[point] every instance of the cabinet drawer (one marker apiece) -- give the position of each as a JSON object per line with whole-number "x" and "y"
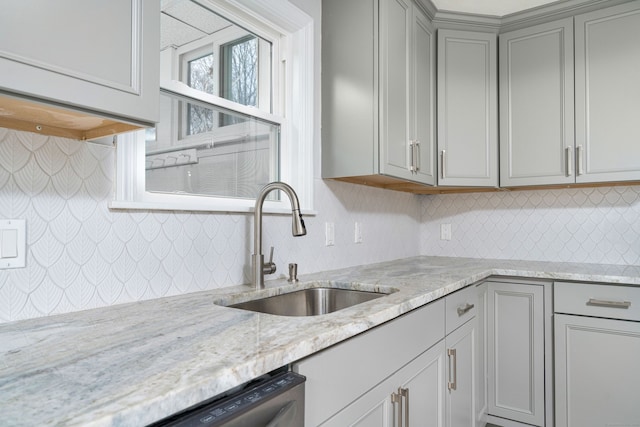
{"x": 460, "y": 307}
{"x": 612, "y": 301}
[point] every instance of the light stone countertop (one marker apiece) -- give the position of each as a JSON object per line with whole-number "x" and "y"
{"x": 132, "y": 364}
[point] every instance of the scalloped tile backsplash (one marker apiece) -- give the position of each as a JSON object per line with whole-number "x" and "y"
{"x": 589, "y": 225}
{"x": 83, "y": 255}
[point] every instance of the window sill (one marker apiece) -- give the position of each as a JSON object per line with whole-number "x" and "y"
{"x": 198, "y": 207}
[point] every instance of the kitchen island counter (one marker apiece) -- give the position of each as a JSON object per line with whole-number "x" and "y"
{"x": 132, "y": 364}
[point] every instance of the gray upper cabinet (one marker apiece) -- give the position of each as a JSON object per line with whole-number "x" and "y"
{"x": 90, "y": 55}
{"x": 377, "y": 92}
{"x": 536, "y": 105}
{"x": 422, "y": 125}
{"x": 608, "y": 94}
{"x": 467, "y": 109}
{"x": 537, "y": 100}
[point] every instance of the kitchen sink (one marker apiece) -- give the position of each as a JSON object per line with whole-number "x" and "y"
{"x": 309, "y": 302}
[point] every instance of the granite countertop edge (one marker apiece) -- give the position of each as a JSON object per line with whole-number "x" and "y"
{"x": 132, "y": 364}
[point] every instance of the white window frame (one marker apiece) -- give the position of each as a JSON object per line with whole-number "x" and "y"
{"x": 295, "y": 85}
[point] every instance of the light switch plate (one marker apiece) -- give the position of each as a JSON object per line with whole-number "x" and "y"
{"x": 13, "y": 243}
{"x": 330, "y": 233}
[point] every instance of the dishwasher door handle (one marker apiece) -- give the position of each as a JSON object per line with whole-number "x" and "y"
{"x": 285, "y": 416}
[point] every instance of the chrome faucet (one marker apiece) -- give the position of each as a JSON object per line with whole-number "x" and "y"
{"x": 258, "y": 266}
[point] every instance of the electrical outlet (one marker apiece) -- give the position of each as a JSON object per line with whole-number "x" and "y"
{"x": 445, "y": 231}
{"x": 357, "y": 238}
{"x": 329, "y": 233}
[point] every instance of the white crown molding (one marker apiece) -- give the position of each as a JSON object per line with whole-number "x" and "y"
{"x": 536, "y": 15}
{"x": 467, "y": 21}
{"x": 554, "y": 11}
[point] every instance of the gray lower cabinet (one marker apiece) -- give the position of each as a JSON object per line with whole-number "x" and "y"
{"x": 539, "y": 107}
{"x": 95, "y": 55}
{"x": 597, "y": 348}
{"x": 378, "y": 115}
{"x": 467, "y": 109}
{"x": 519, "y": 348}
{"x": 412, "y": 396}
{"x": 403, "y": 373}
{"x": 461, "y": 348}
{"x": 352, "y": 383}
{"x": 462, "y": 369}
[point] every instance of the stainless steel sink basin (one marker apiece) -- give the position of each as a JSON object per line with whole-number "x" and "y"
{"x": 309, "y": 302}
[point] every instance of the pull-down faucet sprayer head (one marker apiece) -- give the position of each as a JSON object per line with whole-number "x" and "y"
{"x": 297, "y": 224}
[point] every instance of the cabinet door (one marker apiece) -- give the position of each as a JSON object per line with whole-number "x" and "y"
{"x": 461, "y": 376}
{"x": 395, "y": 39}
{"x": 467, "y": 109}
{"x": 424, "y": 378}
{"x": 516, "y": 351}
{"x": 373, "y": 409}
{"x": 92, "y": 54}
{"x": 536, "y": 105}
{"x": 597, "y": 378}
{"x": 349, "y": 88}
{"x": 422, "y": 95}
{"x": 608, "y": 94}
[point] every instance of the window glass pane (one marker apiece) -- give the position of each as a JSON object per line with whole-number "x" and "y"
{"x": 235, "y": 160}
{"x": 201, "y": 74}
{"x": 214, "y": 55}
{"x": 199, "y": 119}
{"x": 240, "y": 77}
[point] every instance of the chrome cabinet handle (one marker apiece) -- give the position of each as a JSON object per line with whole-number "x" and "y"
{"x": 568, "y": 159}
{"x": 609, "y": 304}
{"x": 397, "y": 398}
{"x": 442, "y": 154}
{"x": 464, "y": 309}
{"x": 417, "y": 158}
{"x": 579, "y": 154}
{"x": 404, "y": 392}
{"x": 412, "y": 166}
{"x": 451, "y": 352}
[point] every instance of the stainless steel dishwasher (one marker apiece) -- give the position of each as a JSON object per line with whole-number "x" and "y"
{"x": 275, "y": 400}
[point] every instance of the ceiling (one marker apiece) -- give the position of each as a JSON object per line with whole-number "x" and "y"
{"x": 183, "y": 21}
{"x": 489, "y": 7}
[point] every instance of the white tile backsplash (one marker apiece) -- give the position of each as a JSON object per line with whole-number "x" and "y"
{"x": 589, "y": 225}
{"x": 83, "y": 255}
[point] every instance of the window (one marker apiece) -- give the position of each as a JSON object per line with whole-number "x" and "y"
{"x": 229, "y": 123}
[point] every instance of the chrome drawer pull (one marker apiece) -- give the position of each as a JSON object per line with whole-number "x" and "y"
{"x": 464, "y": 309}
{"x": 609, "y": 304}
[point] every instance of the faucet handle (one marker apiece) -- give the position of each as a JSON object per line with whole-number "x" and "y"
{"x": 269, "y": 267}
